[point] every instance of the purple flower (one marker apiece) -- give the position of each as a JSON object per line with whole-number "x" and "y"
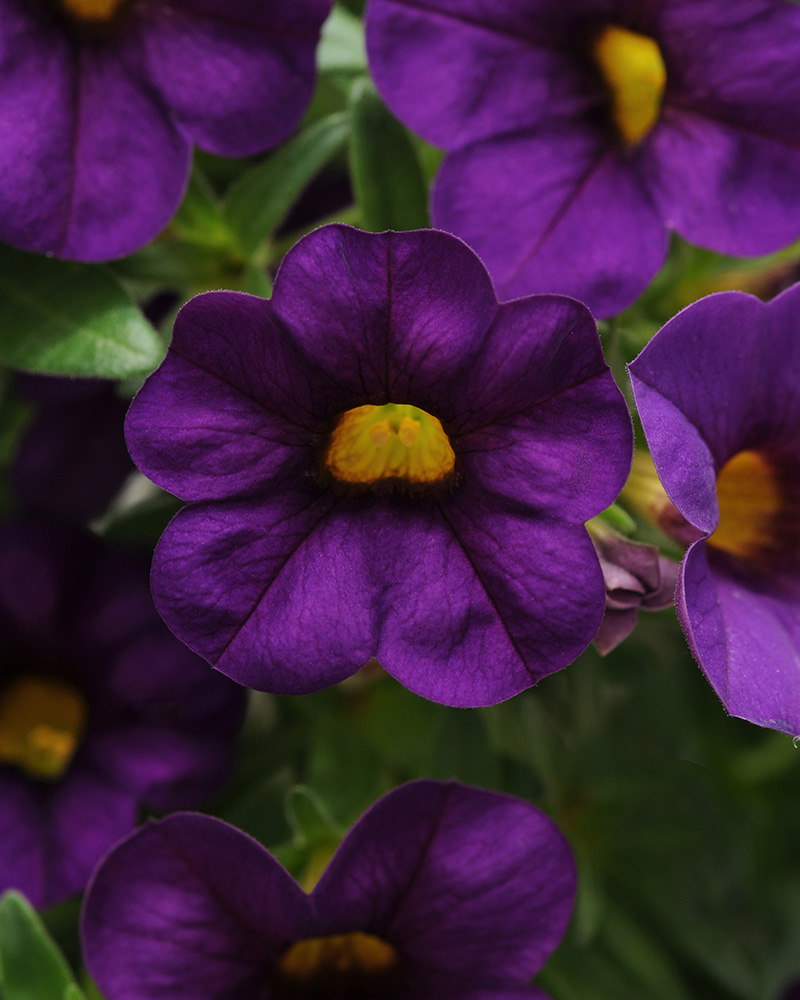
{"x": 718, "y": 391}
{"x": 439, "y": 891}
{"x": 101, "y": 709}
{"x": 636, "y": 576}
{"x": 580, "y": 132}
{"x": 103, "y": 99}
{"x": 382, "y": 461}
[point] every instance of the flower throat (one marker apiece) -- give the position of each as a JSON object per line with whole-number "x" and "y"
{"x": 395, "y": 441}
{"x": 633, "y": 70}
{"x": 92, "y": 11}
{"x": 353, "y": 966}
{"x": 41, "y": 724}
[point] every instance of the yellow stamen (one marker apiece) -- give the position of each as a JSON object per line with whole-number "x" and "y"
{"x": 337, "y": 956}
{"x": 395, "y": 441}
{"x": 750, "y": 502}
{"x": 92, "y": 10}
{"x": 41, "y": 724}
{"x": 633, "y": 69}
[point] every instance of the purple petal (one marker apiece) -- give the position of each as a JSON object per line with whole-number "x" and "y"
{"x": 524, "y": 596}
{"x": 23, "y": 865}
{"x": 746, "y": 634}
{"x": 113, "y": 165}
{"x": 561, "y": 211}
{"x": 450, "y": 608}
{"x": 396, "y": 317}
{"x": 38, "y": 82}
{"x": 422, "y": 869}
{"x": 236, "y": 75}
{"x": 81, "y": 819}
{"x": 724, "y": 185}
{"x": 232, "y": 407}
{"x": 72, "y": 459}
{"x": 272, "y": 594}
{"x": 546, "y": 427}
{"x": 460, "y": 73}
{"x": 191, "y": 908}
{"x": 616, "y": 626}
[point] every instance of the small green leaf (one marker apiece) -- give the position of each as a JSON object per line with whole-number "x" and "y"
{"x": 308, "y": 816}
{"x": 73, "y": 992}
{"x": 31, "y": 965}
{"x": 199, "y": 219}
{"x": 63, "y": 318}
{"x": 342, "y": 48}
{"x": 387, "y": 178}
{"x": 259, "y": 200}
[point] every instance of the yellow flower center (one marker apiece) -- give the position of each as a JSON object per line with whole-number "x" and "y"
{"x": 633, "y": 69}
{"x": 41, "y": 724}
{"x": 750, "y": 507}
{"x": 395, "y": 441}
{"x": 92, "y": 10}
{"x": 338, "y": 965}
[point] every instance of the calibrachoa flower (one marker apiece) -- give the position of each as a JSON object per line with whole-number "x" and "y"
{"x": 580, "y": 132}
{"x": 440, "y": 890}
{"x": 101, "y": 101}
{"x": 101, "y": 709}
{"x": 382, "y": 461}
{"x": 718, "y": 391}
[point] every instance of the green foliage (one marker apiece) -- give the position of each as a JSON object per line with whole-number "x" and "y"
{"x": 387, "y": 177}
{"x": 63, "y": 318}
{"x": 260, "y": 199}
{"x": 31, "y": 965}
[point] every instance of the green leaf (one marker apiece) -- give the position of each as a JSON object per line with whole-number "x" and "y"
{"x": 259, "y": 200}
{"x": 308, "y": 817}
{"x": 74, "y": 992}
{"x": 342, "y": 48}
{"x": 387, "y": 178}
{"x": 63, "y": 318}
{"x": 199, "y": 219}
{"x": 31, "y": 965}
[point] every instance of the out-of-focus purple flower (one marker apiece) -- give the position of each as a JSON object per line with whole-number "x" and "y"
{"x": 101, "y": 709}
{"x": 636, "y": 576}
{"x": 72, "y": 459}
{"x": 718, "y": 391}
{"x": 579, "y": 133}
{"x": 102, "y": 101}
{"x": 382, "y": 461}
{"x": 439, "y": 891}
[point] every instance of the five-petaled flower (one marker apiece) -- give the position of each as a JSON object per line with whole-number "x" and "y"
{"x": 383, "y": 462}
{"x": 439, "y": 891}
{"x": 579, "y": 133}
{"x": 102, "y": 711}
{"x": 101, "y": 101}
{"x": 718, "y": 392}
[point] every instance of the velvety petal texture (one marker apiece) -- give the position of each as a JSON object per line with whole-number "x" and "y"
{"x": 159, "y": 726}
{"x": 96, "y": 125}
{"x": 540, "y": 178}
{"x": 721, "y": 380}
{"x": 191, "y": 908}
{"x": 287, "y": 578}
